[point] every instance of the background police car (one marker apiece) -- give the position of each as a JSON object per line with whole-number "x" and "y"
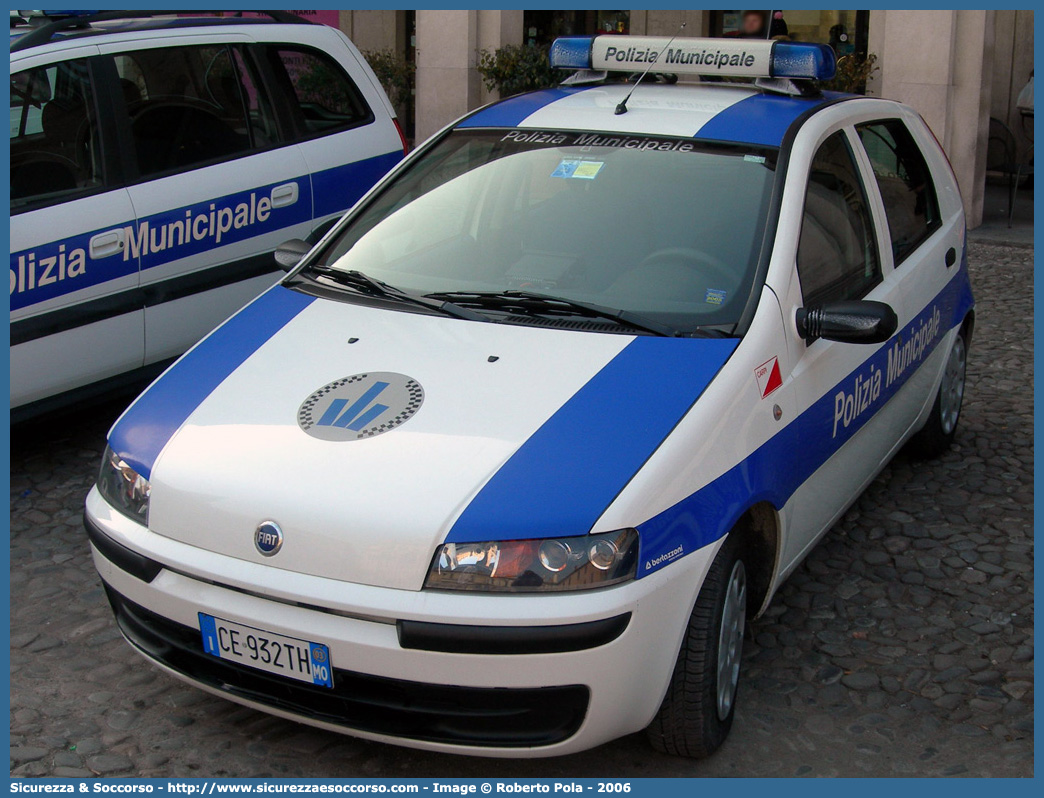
{"x": 155, "y": 164}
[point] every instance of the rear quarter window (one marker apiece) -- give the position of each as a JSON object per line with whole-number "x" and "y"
{"x": 905, "y": 182}
{"x": 319, "y": 95}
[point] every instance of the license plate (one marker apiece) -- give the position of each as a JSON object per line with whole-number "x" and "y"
{"x": 267, "y": 651}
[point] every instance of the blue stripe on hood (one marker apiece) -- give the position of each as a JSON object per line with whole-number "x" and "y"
{"x": 511, "y": 112}
{"x": 561, "y": 480}
{"x": 761, "y": 119}
{"x": 143, "y": 431}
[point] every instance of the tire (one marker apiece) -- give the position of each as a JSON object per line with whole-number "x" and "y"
{"x": 941, "y": 428}
{"x": 694, "y": 720}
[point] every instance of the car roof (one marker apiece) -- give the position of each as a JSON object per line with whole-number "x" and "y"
{"x": 66, "y": 29}
{"x": 728, "y": 112}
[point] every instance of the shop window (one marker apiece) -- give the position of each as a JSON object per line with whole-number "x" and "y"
{"x": 845, "y": 31}
{"x": 543, "y": 27}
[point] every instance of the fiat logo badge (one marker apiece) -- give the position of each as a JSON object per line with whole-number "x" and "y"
{"x": 268, "y": 538}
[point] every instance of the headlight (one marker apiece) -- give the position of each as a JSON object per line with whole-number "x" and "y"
{"x": 523, "y": 566}
{"x": 123, "y": 487}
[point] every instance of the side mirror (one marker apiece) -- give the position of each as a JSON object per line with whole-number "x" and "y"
{"x": 859, "y": 322}
{"x": 289, "y": 253}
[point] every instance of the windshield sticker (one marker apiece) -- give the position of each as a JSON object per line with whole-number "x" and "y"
{"x": 715, "y": 296}
{"x": 754, "y": 158}
{"x": 585, "y": 170}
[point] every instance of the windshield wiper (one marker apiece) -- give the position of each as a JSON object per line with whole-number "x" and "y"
{"x": 536, "y": 302}
{"x": 371, "y": 285}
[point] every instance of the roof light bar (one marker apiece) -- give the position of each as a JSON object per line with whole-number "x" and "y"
{"x": 690, "y": 56}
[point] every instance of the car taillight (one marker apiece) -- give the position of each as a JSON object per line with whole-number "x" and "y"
{"x": 402, "y": 138}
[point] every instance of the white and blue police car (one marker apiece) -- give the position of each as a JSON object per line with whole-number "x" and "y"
{"x": 508, "y": 459}
{"x": 156, "y": 162}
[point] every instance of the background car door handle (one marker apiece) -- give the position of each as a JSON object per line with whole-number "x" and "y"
{"x": 951, "y": 255}
{"x": 284, "y": 195}
{"x": 102, "y": 245}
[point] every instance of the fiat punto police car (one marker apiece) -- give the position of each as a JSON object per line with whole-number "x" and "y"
{"x": 506, "y": 462}
{"x": 156, "y": 161}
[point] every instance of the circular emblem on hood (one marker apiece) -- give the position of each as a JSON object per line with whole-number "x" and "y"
{"x": 360, "y": 406}
{"x": 268, "y": 538}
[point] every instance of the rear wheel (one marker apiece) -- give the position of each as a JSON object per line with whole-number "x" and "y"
{"x": 941, "y": 428}
{"x": 697, "y": 710}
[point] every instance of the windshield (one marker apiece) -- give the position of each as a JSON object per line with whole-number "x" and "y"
{"x": 668, "y": 228}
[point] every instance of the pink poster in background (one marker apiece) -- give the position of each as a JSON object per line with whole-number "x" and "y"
{"x": 322, "y": 17}
{"x": 326, "y": 17}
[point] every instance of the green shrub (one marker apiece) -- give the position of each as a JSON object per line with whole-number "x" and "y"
{"x": 852, "y": 74}
{"x": 395, "y": 74}
{"x": 513, "y": 69}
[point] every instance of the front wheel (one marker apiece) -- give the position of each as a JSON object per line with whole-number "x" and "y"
{"x": 697, "y": 711}
{"x": 941, "y": 428}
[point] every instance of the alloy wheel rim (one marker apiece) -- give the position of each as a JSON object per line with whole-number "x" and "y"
{"x": 951, "y": 392}
{"x": 730, "y": 638}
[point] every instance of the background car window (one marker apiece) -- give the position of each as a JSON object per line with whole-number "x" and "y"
{"x": 905, "y": 182}
{"x": 188, "y": 106}
{"x": 54, "y": 134}
{"x": 263, "y": 130}
{"x": 323, "y": 98}
{"x": 837, "y": 254}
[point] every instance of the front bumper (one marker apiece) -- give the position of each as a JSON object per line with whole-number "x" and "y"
{"x": 561, "y": 700}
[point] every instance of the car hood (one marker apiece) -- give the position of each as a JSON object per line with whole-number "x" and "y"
{"x": 480, "y": 431}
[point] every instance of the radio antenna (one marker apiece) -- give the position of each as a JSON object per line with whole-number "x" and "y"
{"x": 621, "y": 108}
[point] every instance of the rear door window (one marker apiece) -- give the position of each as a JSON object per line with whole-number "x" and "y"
{"x": 190, "y": 106}
{"x": 905, "y": 182}
{"x": 322, "y": 99}
{"x": 55, "y": 147}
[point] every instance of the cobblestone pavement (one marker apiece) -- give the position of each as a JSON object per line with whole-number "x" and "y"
{"x": 903, "y": 646}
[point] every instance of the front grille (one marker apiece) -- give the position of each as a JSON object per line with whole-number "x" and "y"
{"x": 477, "y": 716}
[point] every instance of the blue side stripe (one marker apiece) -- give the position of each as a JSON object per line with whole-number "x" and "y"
{"x": 511, "y": 112}
{"x": 782, "y": 464}
{"x": 562, "y": 479}
{"x": 145, "y": 428}
{"x": 336, "y": 190}
{"x": 760, "y": 119}
{"x": 63, "y": 266}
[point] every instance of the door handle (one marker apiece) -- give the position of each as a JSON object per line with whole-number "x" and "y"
{"x": 284, "y": 195}
{"x": 103, "y": 245}
{"x": 951, "y": 257}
